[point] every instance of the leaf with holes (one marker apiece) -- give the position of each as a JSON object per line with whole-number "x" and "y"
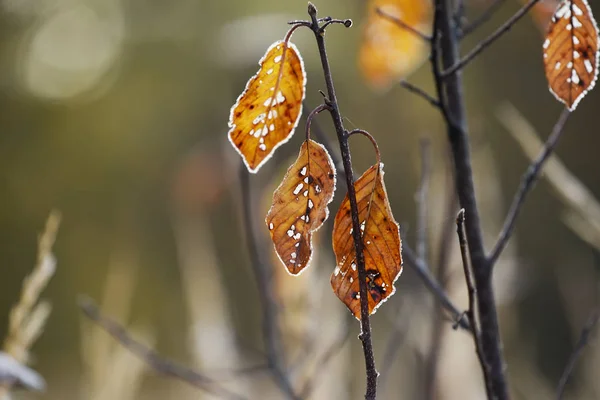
{"x": 267, "y": 112}
{"x": 381, "y": 245}
{"x": 300, "y": 205}
{"x": 389, "y": 52}
{"x": 571, "y": 52}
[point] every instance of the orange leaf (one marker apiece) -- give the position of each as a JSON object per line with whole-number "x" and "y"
{"x": 300, "y": 205}
{"x": 571, "y": 52}
{"x": 389, "y": 53}
{"x": 381, "y": 244}
{"x": 267, "y": 112}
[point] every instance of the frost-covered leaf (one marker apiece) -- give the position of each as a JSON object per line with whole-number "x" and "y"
{"x": 571, "y": 52}
{"x": 300, "y": 205}
{"x": 381, "y": 244}
{"x": 267, "y": 112}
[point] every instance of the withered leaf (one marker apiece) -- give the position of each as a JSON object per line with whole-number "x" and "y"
{"x": 571, "y": 52}
{"x": 300, "y": 205}
{"x": 389, "y": 52}
{"x": 267, "y": 112}
{"x": 381, "y": 244}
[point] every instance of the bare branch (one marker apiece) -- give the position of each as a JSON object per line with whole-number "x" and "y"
{"x": 365, "y": 323}
{"x": 581, "y": 343}
{"x": 527, "y": 181}
{"x": 485, "y": 43}
{"x": 150, "y": 357}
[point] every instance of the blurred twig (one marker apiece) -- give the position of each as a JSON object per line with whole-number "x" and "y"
{"x": 331, "y": 352}
{"x": 421, "y": 198}
{"x": 434, "y": 287}
{"x": 153, "y": 359}
{"x": 483, "y": 18}
{"x": 581, "y": 343}
{"x": 264, "y": 280}
{"x": 527, "y": 181}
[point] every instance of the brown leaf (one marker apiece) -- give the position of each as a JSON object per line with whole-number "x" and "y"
{"x": 381, "y": 244}
{"x": 571, "y": 52}
{"x": 389, "y": 53}
{"x": 267, "y": 112}
{"x": 300, "y": 205}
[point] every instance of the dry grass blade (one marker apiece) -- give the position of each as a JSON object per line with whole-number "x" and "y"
{"x": 571, "y": 52}
{"x": 381, "y": 243}
{"x": 267, "y": 112}
{"x": 583, "y": 214}
{"x": 300, "y": 205}
{"x": 28, "y": 317}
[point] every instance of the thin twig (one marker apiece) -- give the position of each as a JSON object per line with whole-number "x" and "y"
{"x": 482, "y": 19}
{"x": 403, "y": 25}
{"x": 462, "y": 241}
{"x": 581, "y": 343}
{"x": 527, "y": 182}
{"x": 485, "y": 43}
{"x": 150, "y": 357}
{"x": 332, "y": 351}
{"x": 421, "y": 93}
{"x": 264, "y": 281}
{"x": 365, "y": 335}
{"x": 443, "y": 264}
{"x": 434, "y": 287}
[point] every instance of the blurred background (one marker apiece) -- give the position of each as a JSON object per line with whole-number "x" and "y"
{"x": 115, "y": 113}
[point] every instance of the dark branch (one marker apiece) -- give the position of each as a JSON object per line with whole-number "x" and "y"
{"x": 365, "y": 335}
{"x": 150, "y": 357}
{"x": 581, "y": 343}
{"x": 527, "y": 182}
{"x": 264, "y": 278}
{"x": 485, "y": 43}
{"x": 462, "y": 241}
{"x": 402, "y": 25}
{"x": 422, "y": 271}
{"x": 459, "y": 144}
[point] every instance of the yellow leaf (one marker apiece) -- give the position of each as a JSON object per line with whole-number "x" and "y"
{"x": 300, "y": 205}
{"x": 389, "y": 53}
{"x": 571, "y": 52}
{"x": 381, "y": 245}
{"x": 267, "y": 112}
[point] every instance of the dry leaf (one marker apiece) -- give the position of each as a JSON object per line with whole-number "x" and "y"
{"x": 389, "y": 53}
{"x": 571, "y": 52}
{"x": 300, "y": 205}
{"x": 381, "y": 243}
{"x": 267, "y": 112}
{"x": 542, "y": 13}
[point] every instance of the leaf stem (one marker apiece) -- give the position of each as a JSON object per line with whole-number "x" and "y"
{"x": 365, "y": 336}
{"x": 371, "y": 138}
{"x": 312, "y": 115}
